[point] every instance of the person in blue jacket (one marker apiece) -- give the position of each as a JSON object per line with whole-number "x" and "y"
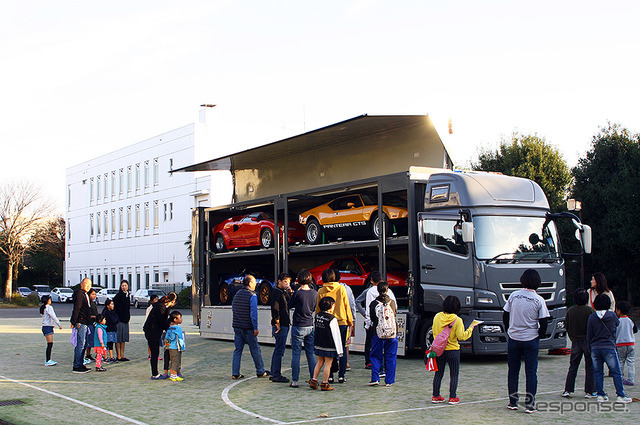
{"x": 174, "y": 341}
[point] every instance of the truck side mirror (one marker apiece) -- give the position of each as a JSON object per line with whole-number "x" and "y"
{"x": 586, "y": 238}
{"x": 467, "y": 231}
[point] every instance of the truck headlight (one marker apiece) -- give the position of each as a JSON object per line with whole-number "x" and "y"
{"x": 485, "y": 300}
{"x": 560, "y": 325}
{"x": 490, "y": 329}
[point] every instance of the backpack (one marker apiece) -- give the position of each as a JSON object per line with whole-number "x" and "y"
{"x": 440, "y": 341}
{"x": 386, "y": 328}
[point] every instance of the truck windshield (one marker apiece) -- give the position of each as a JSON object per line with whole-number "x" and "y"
{"x": 514, "y": 239}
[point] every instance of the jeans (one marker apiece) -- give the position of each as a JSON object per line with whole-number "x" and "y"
{"x": 78, "y": 352}
{"x": 600, "y": 356}
{"x": 278, "y": 351}
{"x": 386, "y": 349}
{"x": 300, "y": 334}
{"x": 515, "y": 351}
{"x": 451, "y": 358}
{"x": 242, "y": 337}
{"x": 578, "y": 350}
{"x": 626, "y": 355}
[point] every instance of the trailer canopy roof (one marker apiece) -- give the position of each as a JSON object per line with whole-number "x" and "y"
{"x": 358, "y": 148}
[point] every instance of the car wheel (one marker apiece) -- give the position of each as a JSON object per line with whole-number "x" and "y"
{"x": 264, "y": 293}
{"x": 219, "y": 245}
{"x": 375, "y": 226}
{"x": 313, "y": 231}
{"x": 224, "y": 293}
{"x": 136, "y": 304}
{"x": 266, "y": 238}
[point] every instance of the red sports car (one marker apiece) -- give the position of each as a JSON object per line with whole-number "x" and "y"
{"x": 251, "y": 230}
{"x": 355, "y": 270}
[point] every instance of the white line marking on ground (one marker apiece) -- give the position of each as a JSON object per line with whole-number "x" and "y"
{"x": 228, "y": 402}
{"x": 82, "y": 403}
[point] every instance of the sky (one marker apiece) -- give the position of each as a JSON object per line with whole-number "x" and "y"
{"x": 80, "y": 79}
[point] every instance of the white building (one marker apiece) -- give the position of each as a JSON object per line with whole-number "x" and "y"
{"x": 128, "y": 217}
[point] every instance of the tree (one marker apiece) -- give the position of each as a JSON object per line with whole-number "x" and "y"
{"x": 531, "y": 157}
{"x": 22, "y": 213}
{"x": 607, "y": 181}
{"x": 46, "y": 255}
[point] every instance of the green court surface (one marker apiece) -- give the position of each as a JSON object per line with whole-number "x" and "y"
{"x": 125, "y": 394}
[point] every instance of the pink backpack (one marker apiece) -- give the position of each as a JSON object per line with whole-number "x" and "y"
{"x": 440, "y": 341}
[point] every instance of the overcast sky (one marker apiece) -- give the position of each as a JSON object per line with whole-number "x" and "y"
{"x": 80, "y": 79}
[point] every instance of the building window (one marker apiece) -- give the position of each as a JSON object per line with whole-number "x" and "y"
{"x": 91, "y": 224}
{"x": 113, "y": 183}
{"x": 146, "y": 215}
{"x": 98, "y": 192}
{"x": 91, "y": 191}
{"x": 170, "y": 211}
{"x": 69, "y": 227}
{"x": 129, "y": 224}
{"x": 156, "y": 214}
{"x": 98, "y": 280}
{"x": 129, "y": 179}
{"x": 137, "y": 216}
{"x": 98, "y": 222}
{"x": 69, "y": 197}
{"x": 156, "y": 277}
{"x": 121, "y": 180}
{"x": 171, "y": 164}
{"x": 138, "y": 280}
{"x": 106, "y": 185}
{"x": 156, "y": 172}
{"x": 121, "y": 217}
{"x": 146, "y": 280}
{"x": 138, "y": 176}
{"x": 113, "y": 221}
{"x": 146, "y": 174}
{"x": 106, "y": 222}
{"x": 165, "y": 211}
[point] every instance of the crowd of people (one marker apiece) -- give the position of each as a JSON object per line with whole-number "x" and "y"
{"x": 323, "y": 323}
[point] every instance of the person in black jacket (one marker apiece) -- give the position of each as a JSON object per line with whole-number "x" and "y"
{"x": 280, "y": 322}
{"x": 156, "y": 323}
{"x": 122, "y": 304}
{"x": 112, "y": 327}
{"x": 80, "y": 320}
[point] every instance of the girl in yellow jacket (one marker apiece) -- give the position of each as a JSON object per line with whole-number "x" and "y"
{"x": 451, "y": 356}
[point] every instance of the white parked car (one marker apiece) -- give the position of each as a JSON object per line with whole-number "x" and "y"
{"x": 24, "y": 291}
{"x": 62, "y": 295}
{"x": 41, "y": 290}
{"x": 141, "y": 297}
{"x": 105, "y": 293}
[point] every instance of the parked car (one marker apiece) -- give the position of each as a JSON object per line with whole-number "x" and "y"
{"x": 62, "y": 295}
{"x": 229, "y": 284}
{"x": 105, "y": 293}
{"x": 24, "y": 291}
{"x": 41, "y": 290}
{"x": 251, "y": 230}
{"x": 354, "y": 215}
{"x": 141, "y": 297}
{"x": 355, "y": 270}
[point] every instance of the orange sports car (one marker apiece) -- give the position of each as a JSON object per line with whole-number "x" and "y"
{"x": 350, "y": 215}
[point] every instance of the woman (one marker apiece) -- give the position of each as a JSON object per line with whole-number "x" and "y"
{"x": 156, "y": 323}
{"x": 122, "y": 305}
{"x": 599, "y": 286}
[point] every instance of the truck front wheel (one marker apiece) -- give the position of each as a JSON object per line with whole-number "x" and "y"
{"x": 313, "y": 231}
{"x": 426, "y": 334}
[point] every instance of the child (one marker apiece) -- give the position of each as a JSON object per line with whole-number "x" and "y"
{"x": 576, "y": 324}
{"x": 451, "y": 355}
{"x": 625, "y": 342}
{"x": 99, "y": 340}
{"x": 601, "y": 330}
{"x": 382, "y": 312}
{"x": 49, "y": 320}
{"x": 112, "y": 326}
{"x": 174, "y": 341}
{"x": 152, "y": 300}
{"x": 328, "y": 342}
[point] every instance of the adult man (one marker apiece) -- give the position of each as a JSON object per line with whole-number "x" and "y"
{"x": 304, "y": 302}
{"x": 245, "y": 327}
{"x": 81, "y": 320}
{"x": 526, "y": 317}
{"x": 280, "y": 322}
{"x": 122, "y": 307}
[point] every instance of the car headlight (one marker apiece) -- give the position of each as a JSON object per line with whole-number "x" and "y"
{"x": 490, "y": 329}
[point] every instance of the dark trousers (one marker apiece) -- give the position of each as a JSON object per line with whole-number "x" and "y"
{"x": 342, "y": 361}
{"x": 154, "y": 349}
{"x": 515, "y": 351}
{"x": 367, "y": 345}
{"x": 451, "y": 358}
{"x": 580, "y": 349}
{"x": 279, "y": 349}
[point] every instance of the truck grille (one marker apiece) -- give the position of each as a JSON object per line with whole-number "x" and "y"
{"x": 547, "y": 290}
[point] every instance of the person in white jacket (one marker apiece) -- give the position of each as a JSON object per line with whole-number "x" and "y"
{"x": 49, "y": 320}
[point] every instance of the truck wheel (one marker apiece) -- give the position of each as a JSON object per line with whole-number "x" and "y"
{"x": 225, "y": 295}
{"x": 313, "y": 231}
{"x": 219, "y": 245}
{"x": 266, "y": 238}
{"x": 264, "y": 293}
{"x": 426, "y": 335}
{"x": 375, "y": 226}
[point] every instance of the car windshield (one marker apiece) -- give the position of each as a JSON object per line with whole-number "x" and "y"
{"x": 65, "y": 290}
{"x": 24, "y": 289}
{"x": 515, "y": 239}
{"x": 371, "y": 263}
{"x": 158, "y": 293}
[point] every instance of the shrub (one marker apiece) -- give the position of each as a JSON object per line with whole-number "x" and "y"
{"x": 184, "y": 298}
{"x": 29, "y": 301}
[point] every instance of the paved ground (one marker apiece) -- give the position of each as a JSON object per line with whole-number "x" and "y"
{"x": 125, "y": 394}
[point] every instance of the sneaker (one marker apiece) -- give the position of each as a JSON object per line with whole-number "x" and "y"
{"x": 113, "y": 360}
{"x": 107, "y": 360}
{"x": 176, "y": 378}
{"x": 623, "y": 399}
{"x": 263, "y": 374}
{"x": 602, "y": 398}
{"x": 180, "y": 375}
{"x": 530, "y": 409}
{"x": 237, "y": 376}
{"x": 157, "y": 377}
{"x": 86, "y": 361}
{"x": 367, "y": 366}
{"x": 91, "y": 359}
{"x": 388, "y": 385}
{"x": 325, "y": 386}
{"x": 279, "y": 379}
{"x": 348, "y": 368}
{"x": 373, "y": 383}
{"x": 50, "y": 363}
{"x": 342, "y": 380}
{"x": 123, "y": 359}
{"x": 331, "y": 380}
{"x": 159, "y": 358}
{"x": 627, "y": 383}
{"x": 438, "y": 399}
{"x": 454, "y": 400}
{"x": 294, "y": 384}
{"x": 590, "y": 395}
{"x": 165, "y": 376}
{"x": 81, "y": 369}
{"x": 149, "y": 358}
{"x": 101, "y": 369}
{"x": 512, "y": 406}
{"x": 313, "y": 384}
{"x": 566, "y": 394}
{"x": 382, "y": 374}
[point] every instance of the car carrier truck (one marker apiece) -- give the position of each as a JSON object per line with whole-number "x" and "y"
{"x": 467, "y": 234}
